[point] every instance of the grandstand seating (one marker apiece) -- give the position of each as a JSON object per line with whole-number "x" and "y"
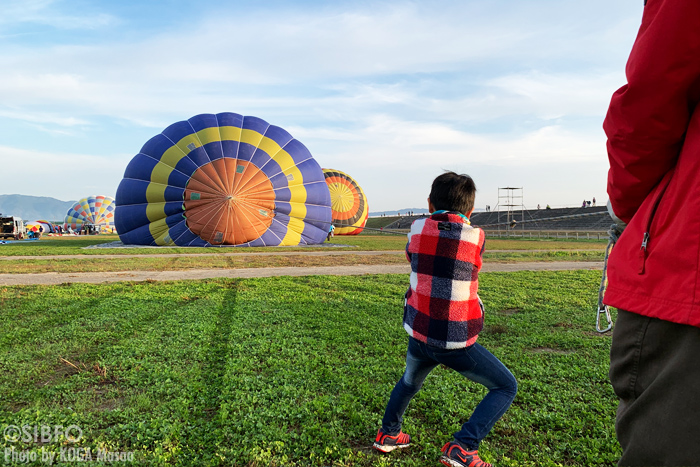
{"x": 593, "y": 219}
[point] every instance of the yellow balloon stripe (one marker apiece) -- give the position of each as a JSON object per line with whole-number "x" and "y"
{"x": 161, "y": 173}
{"x": 159, "y": 230}
{"x": 230, "y": 133}
{"x": 155, "y": 211}
{"x": 209, "y": 135}
{"x": 251, "y": 137}
{"x": 294, "y": 229}
{"x": 155, "y": 193}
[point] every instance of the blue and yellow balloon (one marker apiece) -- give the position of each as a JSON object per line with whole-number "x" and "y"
{"x": 224, "y": 179}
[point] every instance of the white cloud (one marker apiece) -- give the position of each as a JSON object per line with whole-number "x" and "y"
{"x": 305, "y": 47}
{"x": 370, "y": 87}
{"x": 395, "y": 161}
{"x": 556, "y": 95}
{"x": 531, "y": 94}
{"x": 389, "y": 142}
{"x": 40, "y": 117}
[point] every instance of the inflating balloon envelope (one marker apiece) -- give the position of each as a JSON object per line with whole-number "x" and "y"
{"x": 348, "y": 203}
{"x": 40, "y": 226}
{"x": 93, "y": 210}
{"x": 223, "y": 179}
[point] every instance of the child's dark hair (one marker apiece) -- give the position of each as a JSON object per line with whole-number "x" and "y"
{"x": 453, "y": 192}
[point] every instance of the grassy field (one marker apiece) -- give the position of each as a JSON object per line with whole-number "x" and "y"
{"x": 151, "y": 263}
{"x": 52, "y": 246}
{"x": 76, "y": 245}
{"x": 296, "y": 371}
{"x": 67, "y": 254}
{"x": 379, "y": 222}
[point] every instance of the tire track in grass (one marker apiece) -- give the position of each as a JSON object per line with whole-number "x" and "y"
{"x": 208, "y": 419}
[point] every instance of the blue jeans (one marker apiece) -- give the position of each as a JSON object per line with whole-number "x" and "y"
{"x": 474, "y": 363}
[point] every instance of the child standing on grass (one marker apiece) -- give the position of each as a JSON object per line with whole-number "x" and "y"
{"x": 443, "y": 316}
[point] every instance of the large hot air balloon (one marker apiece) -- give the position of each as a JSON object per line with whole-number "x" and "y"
{"x": 95, "y": 211}
{"x": 350, "y": 209}
{"x": 223, "y": 179}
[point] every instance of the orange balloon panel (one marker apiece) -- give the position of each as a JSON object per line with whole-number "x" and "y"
{"x": 229, "y": 201}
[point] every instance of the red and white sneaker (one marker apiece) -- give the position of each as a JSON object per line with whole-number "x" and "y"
{"x": 453, "y": 455}
{"x": 386, "y": 443}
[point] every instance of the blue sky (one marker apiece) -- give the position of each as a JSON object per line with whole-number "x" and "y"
{"x": 392, "y": 92}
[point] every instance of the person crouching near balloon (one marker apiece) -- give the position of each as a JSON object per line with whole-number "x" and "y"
{"x": 443, "y": 316}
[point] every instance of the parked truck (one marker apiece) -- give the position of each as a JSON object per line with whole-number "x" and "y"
{"x": 12, "y": 227}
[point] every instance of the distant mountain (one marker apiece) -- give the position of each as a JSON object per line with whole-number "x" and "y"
{"x": 32, "y": 208}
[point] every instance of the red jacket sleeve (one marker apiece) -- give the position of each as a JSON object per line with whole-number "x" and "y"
{"x": 648, "y": 117}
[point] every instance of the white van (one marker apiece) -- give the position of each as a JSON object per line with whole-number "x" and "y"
{"x": 12, "y": 227}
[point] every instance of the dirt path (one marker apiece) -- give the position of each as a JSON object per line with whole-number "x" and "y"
{"x": 53, "y": 278}
{"x": 282, "y": 253}
{"x": 180, "y": 255}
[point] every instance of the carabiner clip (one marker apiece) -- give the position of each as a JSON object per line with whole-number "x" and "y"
{"x": 604, "y": 310}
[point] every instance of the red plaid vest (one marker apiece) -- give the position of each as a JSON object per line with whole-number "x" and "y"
{"x": 442, "y": 306}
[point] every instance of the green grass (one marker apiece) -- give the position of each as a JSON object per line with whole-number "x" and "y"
{"x": 379, "y": 222}
{"x": 561, "y": 255}
{"x": 297, "y": 371}
{"x": 154, "y": 263}
{"x": 50, "y": 246}
{"x": 151, "y": 263}
{"x": 76, "y": 246}
{"x": 60, "y": 252}
{"x": 544, "y": 244}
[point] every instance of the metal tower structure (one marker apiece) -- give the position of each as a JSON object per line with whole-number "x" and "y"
{"x": 510, "y": 209}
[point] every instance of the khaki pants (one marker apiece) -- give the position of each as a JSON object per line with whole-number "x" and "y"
{"x": 655, "y": 371}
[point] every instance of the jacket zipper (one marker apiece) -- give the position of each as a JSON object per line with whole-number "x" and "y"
{"x": 643, "y": 253}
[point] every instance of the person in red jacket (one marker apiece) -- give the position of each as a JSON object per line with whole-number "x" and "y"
{"x": 653, "y": 132}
